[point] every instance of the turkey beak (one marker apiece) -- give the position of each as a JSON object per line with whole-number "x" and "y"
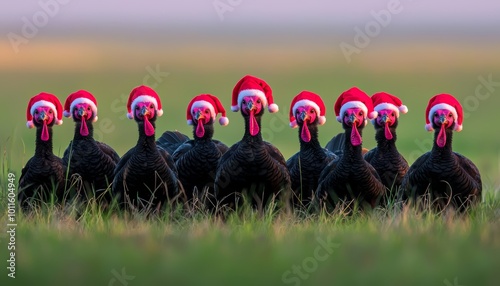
{"x": 304, "y": 116}
{"x": 82, "y": 112}
{"x": 385, "y": 118}
{"x": 250, "y": 106}
{"x": 43, "y": 116}
{"x": 144, "y": 111}
{"x": 442, "y": 119}
{"x": 199, "y": 115}
{"x": 353, "y": 119}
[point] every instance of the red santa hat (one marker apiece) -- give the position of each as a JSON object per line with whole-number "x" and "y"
{"x": 44, "y": 99}
{"x": 354, "y": 98}
{"x": 448, "y": 102}
{"x": 208, "y": 101}
{"x": 81, "y": 96}
{"x": 307, "y": 98}
{"x": 252, "y": 86}
{"x": 383, "y": 100}
{"x": 140, "y": 94}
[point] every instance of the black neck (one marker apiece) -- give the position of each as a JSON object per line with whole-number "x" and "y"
{"x": 209, "y": 132}
{"x": 382, "y": 142}
{"x": 144, "y": 140}
{"x": 447, "y": 148}
{"x": 354, "y": 151}
{"x": 314, "y": 143}
{"x": 43, "y": 148}
{"x": 247, "y": 136}
{"x": 90, "y": 127}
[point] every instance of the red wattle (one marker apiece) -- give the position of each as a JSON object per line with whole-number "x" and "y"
{"x": 148, "y": 127}
{"x": 84, "y": 131}
{"x": 441, "y": 139}
{"x": 200, "y": 129}
{"x": 355, "y": 136}
{"x": 388, "y": 134}
{"x": 305, "y": 134}
{"x": 45, "y": 132}
{"x": 254, "y": 126}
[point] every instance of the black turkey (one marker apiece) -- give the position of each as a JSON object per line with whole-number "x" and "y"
{"x": 42, "y": 179}
{"x": 196, "y": 160}
{"x": 90, "y": 163}
{"x": 350, "y": 179}
{"x": 441, "y": 177}
{"x": 251, "y": 167}
{"x": 391, "y": 166}
{"x": 145, "y": 177}
{"x": 307, "y": 111}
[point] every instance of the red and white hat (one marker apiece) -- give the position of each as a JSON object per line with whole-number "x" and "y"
{"x": 143, "y": 93}
{"x": 444, "y": 101}
{"x": 351, "y": 98}
{"x": 383, "y": 100}
{"x": 212, "y": 103}
{"x": 252, "y": 86}
{"x": 44, "y": 99}
{"x": 310, "y": 99}
{"x": 78, "y": 97}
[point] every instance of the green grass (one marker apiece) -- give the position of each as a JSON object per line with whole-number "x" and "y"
{"x": 384, "y": 248}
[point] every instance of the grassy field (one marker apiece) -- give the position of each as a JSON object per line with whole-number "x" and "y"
{"x": 383, "y": 248}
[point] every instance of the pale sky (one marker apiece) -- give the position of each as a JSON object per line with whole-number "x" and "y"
{"x": 249, "y": 13}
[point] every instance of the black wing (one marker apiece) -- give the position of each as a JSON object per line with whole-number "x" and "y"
{"x": 171, "y": 140}
{"x": 110, "y": 152}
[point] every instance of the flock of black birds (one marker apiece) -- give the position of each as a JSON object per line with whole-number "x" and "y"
{"x": 177, "y": 170}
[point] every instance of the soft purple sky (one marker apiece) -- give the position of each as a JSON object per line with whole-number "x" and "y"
{"x": 201, "y": 13}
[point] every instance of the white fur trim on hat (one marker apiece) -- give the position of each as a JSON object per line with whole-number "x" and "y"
{"x": 143, "y": 98}
{"x": 206, "y": 104}
{"x": 446, "y": 106}
{"x": 44, "y": 103}
{"x": 306, "y": 102}
{"x": 81, "y": 100}
{"x": 403, "y": 109}
{"x": 352, "y": 104}
{"x": 251, "y": 92}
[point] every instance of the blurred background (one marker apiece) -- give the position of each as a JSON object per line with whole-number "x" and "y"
{"x": 412, "y": 49}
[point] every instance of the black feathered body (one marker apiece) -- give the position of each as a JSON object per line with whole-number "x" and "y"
{"x": 306, "y": 165}
{"x": 443, "y": 178}
{"x": 350, "y": 179}
{"x": 196, "y": 161}
{"x": 252, "y": 167}
{"x": 43, "y": 177}
{"x": 90, "y": 163}
{"x": 391, "y": 166}
{"x": 146, "y": 176}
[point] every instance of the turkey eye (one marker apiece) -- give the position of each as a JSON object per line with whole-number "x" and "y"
{"x": 360, "y": 113}
{"x": 151, "y": 105}
{"x": 435, "y": 114}
{"x": 36, "y": 111}
{"x": 206, "y": 111}
{"x": 312, "y": 111}
{"x": 449, "y": 115}
{"x": 88, "y": 108}
{"x": 258, "y": 100}
{"x": 243, "y": 101}
{"x": 50, "y": 111}
{"x": 392, "y": 114}
{"x": 345, "y": 113}
{"x": 137, "y": 108}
